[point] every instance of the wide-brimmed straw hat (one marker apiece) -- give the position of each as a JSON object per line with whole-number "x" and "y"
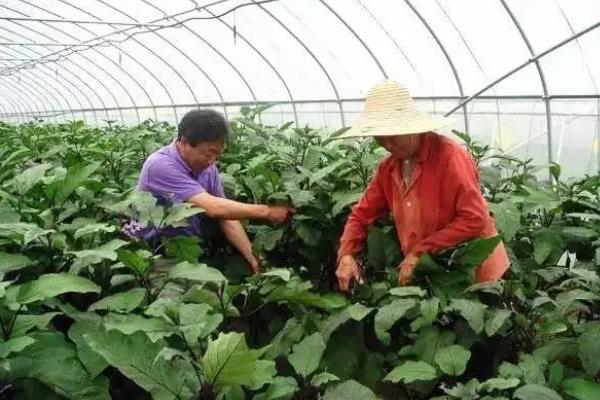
{"x": 390, "y": 111}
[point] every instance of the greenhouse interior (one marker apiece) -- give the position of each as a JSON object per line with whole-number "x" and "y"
{"x": 300, "y": 199}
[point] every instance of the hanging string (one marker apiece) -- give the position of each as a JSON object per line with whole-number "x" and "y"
{"x": 234, "y": 28}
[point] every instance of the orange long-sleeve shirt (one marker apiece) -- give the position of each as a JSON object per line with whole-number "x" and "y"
{"x": 442, "y": 207}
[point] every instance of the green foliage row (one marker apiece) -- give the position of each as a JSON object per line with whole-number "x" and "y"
{"x": 89, "y": 313}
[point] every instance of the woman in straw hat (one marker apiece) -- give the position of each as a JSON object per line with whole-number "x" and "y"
{"x": 429, "y": 184}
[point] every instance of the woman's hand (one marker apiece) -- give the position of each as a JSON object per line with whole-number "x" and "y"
{"x": 406, "y": 269}
{"x": 348, "y": 270}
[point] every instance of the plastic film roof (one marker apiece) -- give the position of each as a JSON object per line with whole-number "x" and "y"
{"x": 527, "y": 71}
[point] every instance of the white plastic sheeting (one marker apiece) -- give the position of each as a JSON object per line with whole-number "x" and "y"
{"x": 315, "y": 59}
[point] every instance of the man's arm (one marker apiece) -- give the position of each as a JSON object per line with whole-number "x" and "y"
{"x": 221, "y": 208}
{"x": 236, "y": 235}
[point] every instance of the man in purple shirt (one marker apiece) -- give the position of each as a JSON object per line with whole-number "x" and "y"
{"x": 185, "y": 171}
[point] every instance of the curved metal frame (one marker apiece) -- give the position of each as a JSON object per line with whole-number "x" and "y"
{"x": 479, "y": 66}
{"x": 312, "y": 55}
{"x": 526, "y": 63}
{"x": 80, "y": 68}
{"x": 195, "y": 63}
{"x": 266, "y": 60}
{"x": 592, "y": 78}
{"x": 94, "y": 49}
{"x": 34, "y": 98}
{"x": 125, "y": 90}
{"x": 31, "y": 77}
{"x": 25, "y": 75}
{"x": 51, "y": 75}
{"x": 448, "y": 59}
{"x": 66, "y": 69}
{"x": 389, "y": 35}
{"x": 185, "y": 82}
{"x": 540, "y": 73}
{"x": 117, "y": 46}
{"x": 67, "y": 85}
{"x": 357, "y": 36}
{"x": 16, "y": 102}
{"x": 19, "y": 85}
{"x": 41, "y": 59}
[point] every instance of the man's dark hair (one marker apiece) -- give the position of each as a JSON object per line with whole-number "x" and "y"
{"x": 202, "y": 126}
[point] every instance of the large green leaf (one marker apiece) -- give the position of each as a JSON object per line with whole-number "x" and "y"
{"x": 388, "y": 315}
{"x": 429, "y": 310}
{"x": 54, "y": 362}
{"x": 349, "y": 390}
{"x": 196, "y": 321}
{"x": 508, "y": 218}
{"x": 472, "y": 311}
{"x": 356, "y": 312}
{"x": 588, "y": 346}
{"x": 452, "y": 360}
{"x": 412, "y": 371}
{"x": 179, "y": 213}
{"x": 120, "y": 302}
{"x": 408, "y": 291}
{"x": 533, "y": 368}
{"x": 76, "y": 176}
{"x": 536, "y": 392}
{"x": 92, "y": 361}
{"x": 196, "y": 272}
{"x": 22, "y": 232}
{"x": 322, "y": 379}
{"x": 282, "y": 343}
{"x": 229, "y": 361}
{"x": 183, "y": 248}
{"x": 576, "y": 294}
{"x": 557, "y": 349}
{"x": 16, "y": 345}
{"x": 147, "y": 211}
{"x": 12, "y": 262}
{"x": 306, "y": 355}
{"x": 264, "y": 374}
{"x": 51, "y": 285}
{"x": 26, "y": 322}
{"x": 343, "y": 199}
{"x": 581, "y": 389}
{"x": 477, "y": 251}
{"x": 155, "y": 328}
{"x": 282, "y": 388}
{"x": 495, "y": 321}
{"x": 267, "y": 239}
{"x": 92, "y": 229}
{"x": 204, "y": 296}
{"x": 106, "y": 251}
{"x": 499, "y": 384}
{"x": 135, "y": 261}
{"x": 29, "y": 178}
{"x": 298, "y": 292}
{"x": 281, "y": 273}
{"x": 546, "y": 243}
{"x": 430, "y": 340}
{"x": 137, "y": 357}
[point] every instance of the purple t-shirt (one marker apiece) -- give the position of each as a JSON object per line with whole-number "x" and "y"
{"x": 172, "y": 181}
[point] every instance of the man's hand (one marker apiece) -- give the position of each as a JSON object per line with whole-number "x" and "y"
{"x": 406, "y": 269}
{"x": 280, "y": 214}
{"x": 348, "y": 270}
{"x": 255, "y": 266}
